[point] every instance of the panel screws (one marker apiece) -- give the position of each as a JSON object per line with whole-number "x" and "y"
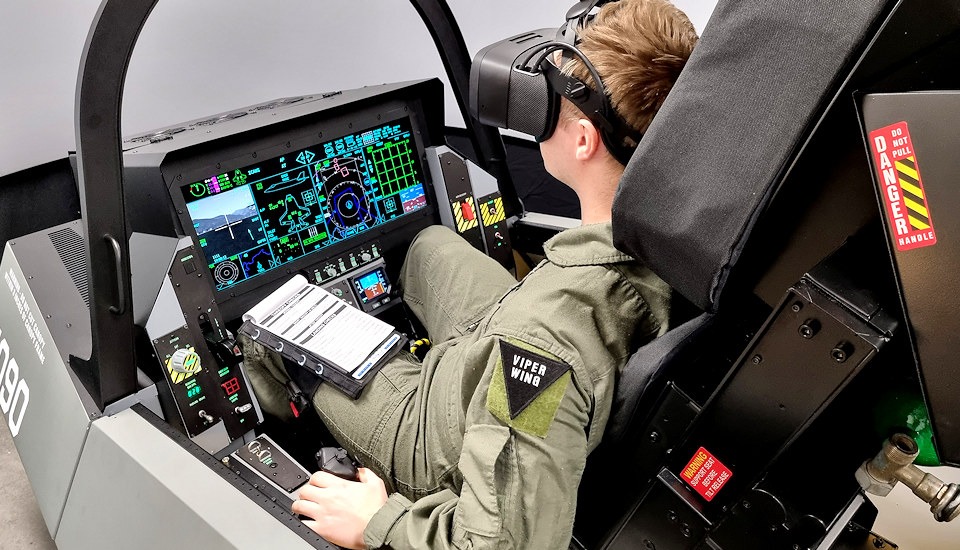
{"x": 757, "y": 359}
{"x": 796, "y": 307}
{"x": 841, "y": 352}
{"x": 672, "y": 516}
{"x": 654, "y": 437}
{"x": 647, "y": 543}
{"x": 809, "y": 328}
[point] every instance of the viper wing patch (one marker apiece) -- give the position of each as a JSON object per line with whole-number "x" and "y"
{"x": 526, "y": 375}
{"x": 527, "y": 388}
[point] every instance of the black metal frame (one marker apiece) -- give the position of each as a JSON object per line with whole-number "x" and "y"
{"x": 110, "y": 372}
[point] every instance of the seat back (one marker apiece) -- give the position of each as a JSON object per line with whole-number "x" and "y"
{"x": 760, "y": 80}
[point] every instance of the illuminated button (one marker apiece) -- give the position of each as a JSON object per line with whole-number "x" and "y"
{"x": 243, "y": 408}
{"x": 189, "y": 266}
{"x": 185, "y": 361}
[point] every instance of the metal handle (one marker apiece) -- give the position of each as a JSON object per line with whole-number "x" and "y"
{"x": 120, "y": 308}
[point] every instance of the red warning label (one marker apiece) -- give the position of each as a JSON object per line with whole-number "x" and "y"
{"x": 706, "y": 474}
{"x": 902, "y": 187}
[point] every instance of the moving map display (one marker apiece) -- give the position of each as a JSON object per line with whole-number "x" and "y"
{"x": 254, "y": 219}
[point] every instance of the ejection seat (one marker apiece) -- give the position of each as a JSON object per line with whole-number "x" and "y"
{"x": 760, "y": 81}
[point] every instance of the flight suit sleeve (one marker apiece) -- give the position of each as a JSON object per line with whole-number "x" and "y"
{"x": 519, "y": 475}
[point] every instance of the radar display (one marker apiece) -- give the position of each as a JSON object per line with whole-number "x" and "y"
{"x": 254, "y": 219}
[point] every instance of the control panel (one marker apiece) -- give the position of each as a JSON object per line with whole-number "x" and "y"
{"x": 470, "y": 203}
{"x": 265, "y": 459}
{"x": 201, "y": 365}
{"x": 358, "y": 277}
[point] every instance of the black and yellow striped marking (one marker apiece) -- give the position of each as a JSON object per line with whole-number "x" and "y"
{"x": 191, "y": 363}
{"x": 462, "y": 224}
{"x": 913, "y": 199}
{"x": 493, "y": 212}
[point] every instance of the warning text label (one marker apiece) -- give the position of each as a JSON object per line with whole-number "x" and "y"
{"x": 902, "y": 187}
{"x": 705, "y": 474}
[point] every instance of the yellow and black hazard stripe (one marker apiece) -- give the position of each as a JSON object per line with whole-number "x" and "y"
{"x": 913, "y": 198}
{"x": 493, "y": 212}
{"x": 464, "y": 224}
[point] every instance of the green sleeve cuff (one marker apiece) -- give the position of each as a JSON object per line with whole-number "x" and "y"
{"x": 375, "y": 535}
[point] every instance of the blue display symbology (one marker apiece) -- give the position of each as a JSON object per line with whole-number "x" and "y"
{"x": 257, "y": 218}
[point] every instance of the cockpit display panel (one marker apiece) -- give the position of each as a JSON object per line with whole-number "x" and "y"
{"x": 257, "y": 218}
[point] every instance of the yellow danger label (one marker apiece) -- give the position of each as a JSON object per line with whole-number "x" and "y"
{"x": 913, "y": 199}
{"x": 492, "y": 212}
{"x": 465, "y": 214}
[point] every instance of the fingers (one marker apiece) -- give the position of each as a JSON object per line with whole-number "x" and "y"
{"x": 365, "y": 475}
{"x": 307, "y": 508}
{"x": 312, "y": 493}
{"x": 312, "y": 525}
{"x": 325, "y": 479}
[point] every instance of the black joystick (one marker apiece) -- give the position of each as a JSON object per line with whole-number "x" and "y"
{"x": 334, "y": 460}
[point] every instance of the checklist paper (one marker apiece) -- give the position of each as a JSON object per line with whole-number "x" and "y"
{"x": 309, "y": 321}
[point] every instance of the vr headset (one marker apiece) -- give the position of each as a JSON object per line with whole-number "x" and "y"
{"x": 515, "y": 84}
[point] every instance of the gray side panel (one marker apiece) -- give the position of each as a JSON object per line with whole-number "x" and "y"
{"x": 54, "y": 422}
{"x": 150, "y": 258}
{"x": 439, "y": 184}
{"x": 136, "y": 488}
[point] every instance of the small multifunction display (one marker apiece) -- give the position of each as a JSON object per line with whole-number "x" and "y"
{"x": 257, "y": 218}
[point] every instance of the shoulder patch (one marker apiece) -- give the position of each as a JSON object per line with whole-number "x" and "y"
{"x": 527, "y": 388}
{"x": 526, "y": 375}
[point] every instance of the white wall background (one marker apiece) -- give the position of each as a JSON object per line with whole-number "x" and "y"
{"x": 196, "y": 58}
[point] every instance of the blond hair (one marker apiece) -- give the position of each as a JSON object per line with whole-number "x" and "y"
{"x": 639, "y": 48}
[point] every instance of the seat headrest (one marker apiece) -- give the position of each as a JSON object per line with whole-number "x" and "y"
{"x": 761, "y": 75}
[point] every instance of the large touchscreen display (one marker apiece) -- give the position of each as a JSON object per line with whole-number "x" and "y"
{"x": 257, "y": 218}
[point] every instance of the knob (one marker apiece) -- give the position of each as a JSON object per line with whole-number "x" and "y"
{"x": 185, "y": 361}
{"x": 338, "y": 293}
{"x": 331, "y": 271}
{"x": 366, "y": 257}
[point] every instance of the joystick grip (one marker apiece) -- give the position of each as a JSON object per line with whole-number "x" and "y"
{"x": 334, "y": 460}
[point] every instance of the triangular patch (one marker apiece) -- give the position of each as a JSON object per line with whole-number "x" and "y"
{"x": 526, "y": 375}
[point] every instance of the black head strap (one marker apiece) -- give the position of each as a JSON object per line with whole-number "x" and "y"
{"x": 618, "y": 136}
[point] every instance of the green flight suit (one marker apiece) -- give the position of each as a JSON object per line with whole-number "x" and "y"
{"x": 468, "y": 470}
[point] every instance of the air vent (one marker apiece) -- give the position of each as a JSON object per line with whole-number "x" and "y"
{"x": 526, "y": 37}
{"x": 160, "y": 135}
{"x": 71, "y": 249}
{"x": 221, "y": 118}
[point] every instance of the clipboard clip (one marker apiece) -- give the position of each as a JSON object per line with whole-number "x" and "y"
{"x": 280, "y": 347}
{"x": 302, "y": 361}
{"x": 257, "y": 335}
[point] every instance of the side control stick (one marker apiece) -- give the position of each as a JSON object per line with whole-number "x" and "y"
{"x": 334, "y": 460}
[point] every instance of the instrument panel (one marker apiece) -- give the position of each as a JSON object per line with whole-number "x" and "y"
{"x": 263, "y": 216}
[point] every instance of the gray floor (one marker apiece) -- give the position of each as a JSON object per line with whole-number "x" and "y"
{"x": 21, "y": 525}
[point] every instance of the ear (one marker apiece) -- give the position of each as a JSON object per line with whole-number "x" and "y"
{"x": 588, "y": 140}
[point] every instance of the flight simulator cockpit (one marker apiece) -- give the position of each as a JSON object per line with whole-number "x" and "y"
{"x": 809, "y": 360}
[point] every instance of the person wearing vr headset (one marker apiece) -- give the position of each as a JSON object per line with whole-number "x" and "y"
{"x": 482, "y": 444}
